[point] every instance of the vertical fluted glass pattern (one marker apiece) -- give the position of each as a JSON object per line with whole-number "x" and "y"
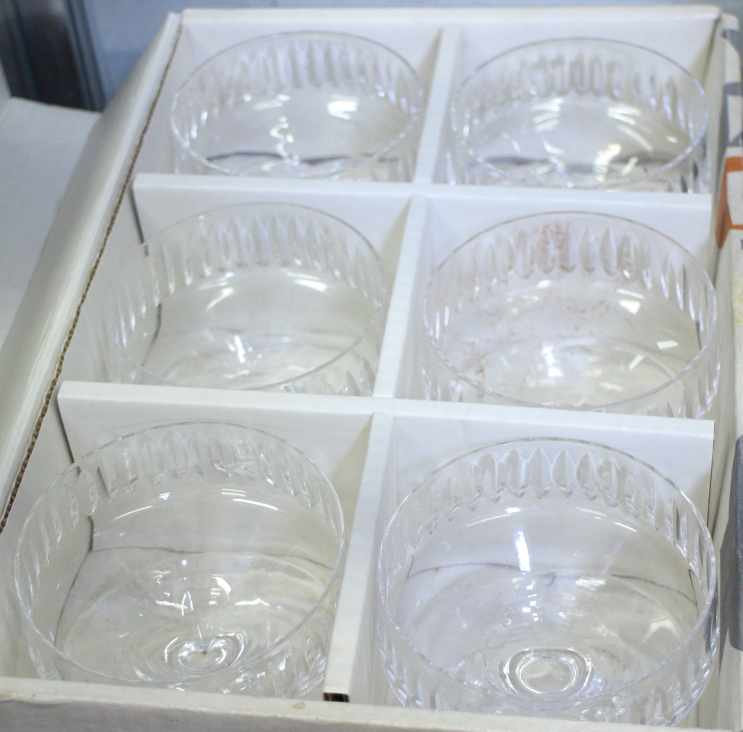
{"x": 581, "y": 113}
{"x": 300, "y": 105}
{"x": 200, "y": 556}
{"x": 572, "y": 310}
{"x": 548, "y": 577}
{"x": 261, "y": 296}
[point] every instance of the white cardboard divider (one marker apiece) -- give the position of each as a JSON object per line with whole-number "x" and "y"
{"x": 334, "y": 438}
{"x": 374, "y": 449}
{"x": 427, "y": 41}
{"x": 685, "y": 39}
{"x": 432, "y": 147}
{"x": 409, "y": 440}
{"x": 461, "y": 211}
{"x": 377, "y": 211}
{"x": 352, "y": 656}
{"x": 430, "y": 433}
{"x": 208, "y": 32}
{"x": 414, "y": 227}
{"x": 396, "y": 347}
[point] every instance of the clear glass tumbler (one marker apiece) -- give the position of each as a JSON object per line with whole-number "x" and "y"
{"x": 581, "y": 113}
{"x": 575, "y": 311}
{"x": 548, "y": 577}
{"x": 263, "y": 296}
{"x": 300, "y": 105}
{"x": 190, "y": 556}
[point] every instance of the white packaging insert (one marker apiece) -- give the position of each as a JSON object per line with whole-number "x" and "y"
{"x": 434, "y": 221}
{"x": 427, "y": 221}
{"x": 444, "y": 46}
{"x": 409, "y": 440}
{"x": 373, "y": 449}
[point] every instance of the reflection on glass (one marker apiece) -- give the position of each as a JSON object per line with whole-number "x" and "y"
{"x": 544, "y": 577}
{"x": 581, "y": 113}
{"x": 300, "y": 105}
{"x": 572, "y": 310}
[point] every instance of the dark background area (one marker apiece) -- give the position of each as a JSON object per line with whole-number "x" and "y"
{"x": 76, "y": 53}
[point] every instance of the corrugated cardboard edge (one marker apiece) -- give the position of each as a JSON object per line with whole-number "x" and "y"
{"x": 86, "y": 182}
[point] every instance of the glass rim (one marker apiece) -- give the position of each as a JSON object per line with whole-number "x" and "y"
{"x": 710, "y": 593}
{"x": 700, "y": 356}
{"x": 415, "y": 114}
{"x": 77, "y": 465}
{"x": 496, "y": 171}
{"x": 374, "y": 320}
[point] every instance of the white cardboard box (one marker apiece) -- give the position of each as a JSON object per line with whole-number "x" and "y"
{"x": 373, "y": 449}
{"x": 39, "y": 148}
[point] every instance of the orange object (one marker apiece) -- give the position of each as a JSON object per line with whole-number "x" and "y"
{"x": 724, "y": 221}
